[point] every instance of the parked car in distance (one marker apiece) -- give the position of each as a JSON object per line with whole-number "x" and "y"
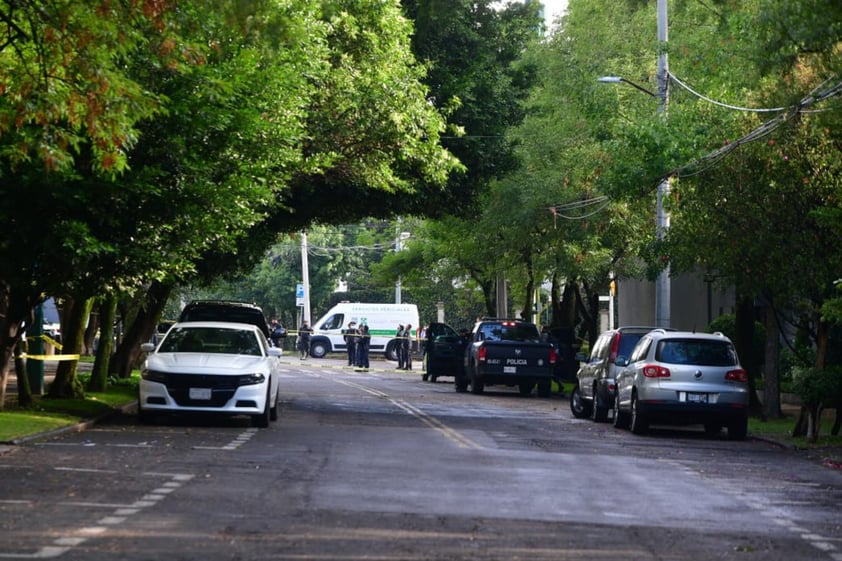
{"x": 508, "y": 352}
{"x": 444, "y": 352}
{"x": 679, "y": 377}
{"x": 593, "y": 394}
{"x": 211, "y": 367}
{"x": 227, "y": 311}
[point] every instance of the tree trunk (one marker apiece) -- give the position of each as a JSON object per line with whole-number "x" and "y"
{"x": 555, "y": 302}
{"x": 745, "y": 347}
{"x": 815, "y": 412}
{"x": 128, "y": 351}
{"x": 15, "y": 308}
{"x": 66, "y": 383}
{"x": 99, "y": 374}
{"x": 771, "y": 379}
{"x": 24, "y": 390}
{"x": 588, "y": 310}
{"x": 90, "y": 333}
{"x": 528, "y": 312}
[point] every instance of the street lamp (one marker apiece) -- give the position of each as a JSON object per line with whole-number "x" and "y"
{"x": 618, "y": 79}
{"x": 662, "y": 284}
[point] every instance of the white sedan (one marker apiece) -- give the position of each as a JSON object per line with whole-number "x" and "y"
{"x": 211, "y": 367}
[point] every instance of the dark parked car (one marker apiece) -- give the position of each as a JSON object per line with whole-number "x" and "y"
{"x": 593, "y": 395}
{"x": 225, "y": 310}
{"x": 444, "y": 352}
{"x": 509, "y": 352}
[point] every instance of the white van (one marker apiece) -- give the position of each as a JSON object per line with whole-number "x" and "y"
{"x": 382, "y": 321}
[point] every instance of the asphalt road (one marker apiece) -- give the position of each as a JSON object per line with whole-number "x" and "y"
{"x": 381, "y": 465}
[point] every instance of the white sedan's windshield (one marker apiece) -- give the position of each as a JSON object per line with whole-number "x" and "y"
{"x": 211, "y": 340}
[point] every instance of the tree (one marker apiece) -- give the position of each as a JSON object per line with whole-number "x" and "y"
{"x": 212, "y": 171}
{"x": 67, "y": 104}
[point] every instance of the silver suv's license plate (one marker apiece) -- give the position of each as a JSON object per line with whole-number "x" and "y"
{"x": 200, "y": 393}
{"x": 696, "y": 397}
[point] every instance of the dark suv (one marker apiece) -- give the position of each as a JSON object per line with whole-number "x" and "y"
{"x": 593, "y": 395}
{"x": 225, "y": 310}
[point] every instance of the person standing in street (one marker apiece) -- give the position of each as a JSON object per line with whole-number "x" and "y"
{"x": 304, "y": 333}
{"x": 406, "y": 346}
{"x": 362, "y": 348}
{"x": 352, "y": 334}
{"x": 399, "y": 346}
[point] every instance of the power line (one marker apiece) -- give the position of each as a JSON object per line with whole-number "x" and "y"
{"x": 819, "y": 94}
{"x": 719, "y": 103}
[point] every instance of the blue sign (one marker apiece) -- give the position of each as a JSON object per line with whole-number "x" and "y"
{"x": 299, "y": 291}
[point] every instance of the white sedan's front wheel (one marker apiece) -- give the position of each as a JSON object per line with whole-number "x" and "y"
{"x": 261, "y": 420}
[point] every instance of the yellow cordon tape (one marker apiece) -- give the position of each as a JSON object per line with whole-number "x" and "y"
{"x": 346, "y": 367}
{"x": 49, "y": 358}
{"x": 47, "y": 339}
{"x": 357, "y": 335}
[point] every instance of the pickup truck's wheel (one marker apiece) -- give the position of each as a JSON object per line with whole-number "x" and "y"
{"x": 578, "y": 406}
{"x": 461, "y": 382}
{"x": 545, "y": 388}
{"x": 599, "y": 411}
{"x": 526, "y": 388}
{"x": 638, "y": 424}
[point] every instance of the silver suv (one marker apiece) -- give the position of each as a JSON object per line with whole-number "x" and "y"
{"x": 679, "y": 377}
{"x": 593, "y": 395}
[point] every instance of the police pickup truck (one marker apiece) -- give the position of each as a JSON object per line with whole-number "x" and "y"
{"x": 508, "y": 352}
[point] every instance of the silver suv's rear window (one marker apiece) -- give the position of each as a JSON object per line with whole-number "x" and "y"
{"x": 695, "y": 351}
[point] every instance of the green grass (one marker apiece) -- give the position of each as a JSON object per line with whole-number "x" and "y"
{"x": 780, "y": 430}
{"x": 49, "y": 414}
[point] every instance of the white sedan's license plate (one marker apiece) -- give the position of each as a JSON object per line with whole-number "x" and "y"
{"x": 200, "y": 393}
{"x": 697, "y": 397}
{"x": 510, "y": 370}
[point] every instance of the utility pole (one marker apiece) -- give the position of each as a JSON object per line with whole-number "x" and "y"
{"x": 305, "y": 278}
{"x": 398, "y": 250}
{"x": 662, "y": 283}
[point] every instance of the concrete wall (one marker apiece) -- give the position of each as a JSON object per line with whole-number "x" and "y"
{"x": 693, "y": 302}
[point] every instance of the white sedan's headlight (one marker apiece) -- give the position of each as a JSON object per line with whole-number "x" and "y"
{"x": 251, "y": 379}
{"x": 154, "y": 376}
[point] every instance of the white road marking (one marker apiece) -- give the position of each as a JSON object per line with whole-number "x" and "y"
{"x": 451, "y": 434}
{"x": 63, "y": 544}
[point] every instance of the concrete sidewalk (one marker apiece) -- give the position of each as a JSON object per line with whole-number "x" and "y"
{"x": 50, "y": 367}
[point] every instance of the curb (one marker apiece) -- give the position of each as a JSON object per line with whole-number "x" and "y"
{"x": 8, "y": 445}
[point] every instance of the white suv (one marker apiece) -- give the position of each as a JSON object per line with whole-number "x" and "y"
{"x": 676, "y": 377}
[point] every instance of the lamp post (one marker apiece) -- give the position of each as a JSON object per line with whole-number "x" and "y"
{"x": 398, "y": 247}
{"x": 662, "y": 283}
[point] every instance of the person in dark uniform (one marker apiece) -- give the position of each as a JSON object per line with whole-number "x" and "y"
{"x": 352, "y": 334}
{"x": 304, "y": 333}
{"x": 406, "y": 347}
{"x": 399, "y": 348}
{"x": 362, "y": 348}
